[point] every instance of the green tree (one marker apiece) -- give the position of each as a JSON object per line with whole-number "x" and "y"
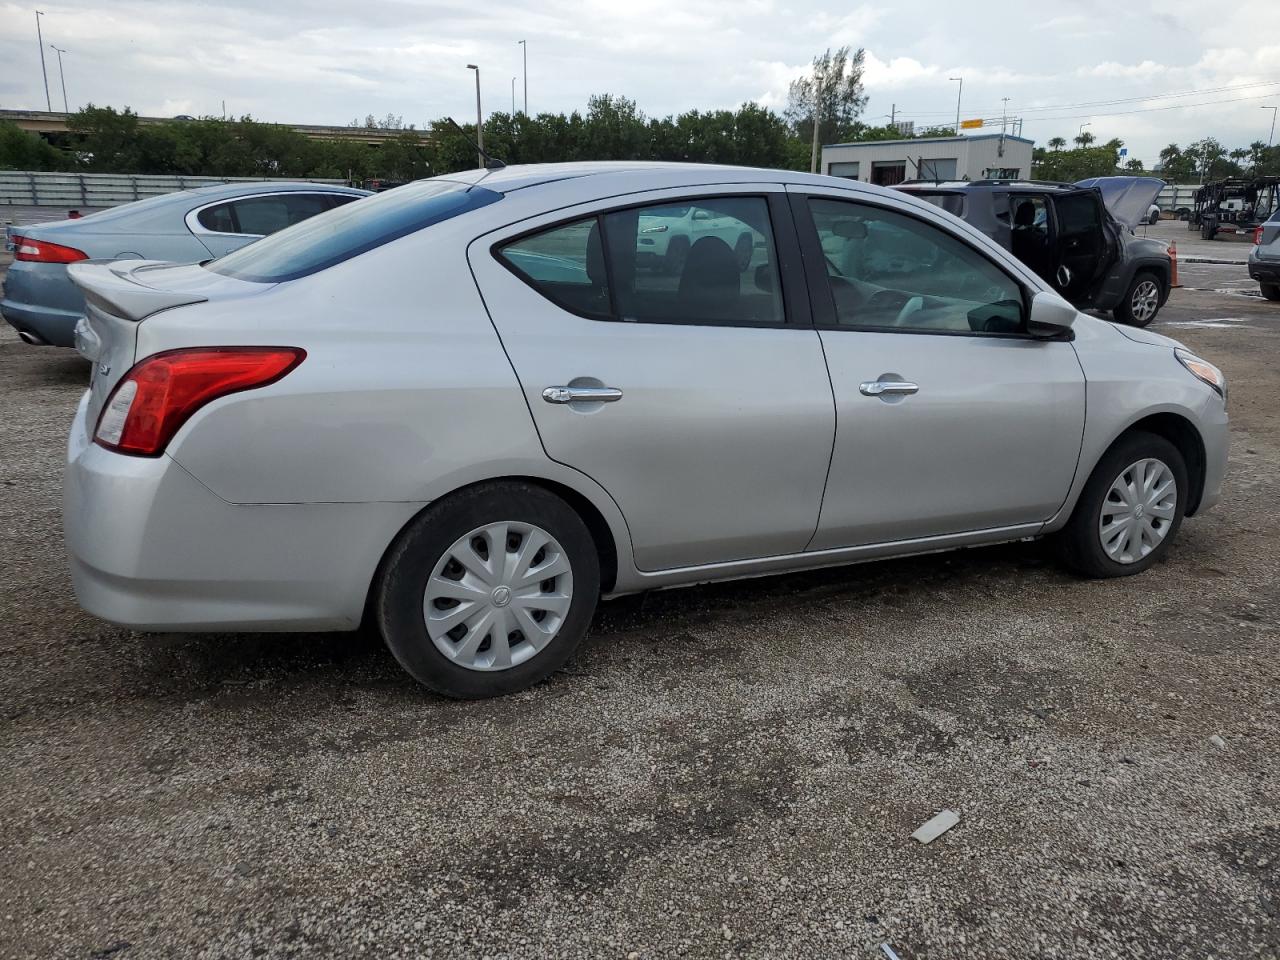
{"x": 832, "y": 89}
{"x": 1057, "y": 143}
{"x": 1084, "y": 138}
{"x": 21, "y": 150}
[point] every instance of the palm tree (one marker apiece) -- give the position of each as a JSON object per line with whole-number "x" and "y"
{"x": 1084, "y": 139}
{"x": 1057, "y": 143}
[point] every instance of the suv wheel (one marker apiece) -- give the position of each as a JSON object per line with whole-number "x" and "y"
{"x": 1141, "y": 302}
{"x": 1270, "y": 290}
{"x": 677, "y": 253}
{"x": 1129, "y": 510}
{"x": 489, "y": 591}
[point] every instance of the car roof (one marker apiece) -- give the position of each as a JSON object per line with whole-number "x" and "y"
{"x": 1015, "y": 186}
{"x": 239, "y": 187}
{"x": 639, "y": 174}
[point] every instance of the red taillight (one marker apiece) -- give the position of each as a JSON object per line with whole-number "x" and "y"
{"x": 42, "y": 251}
{"x": 1257, "y": 234}
{"x": 155, "y": 398}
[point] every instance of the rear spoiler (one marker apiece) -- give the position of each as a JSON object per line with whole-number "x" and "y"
{"x": 114, "y": 287}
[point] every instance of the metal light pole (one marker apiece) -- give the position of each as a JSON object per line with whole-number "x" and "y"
{"x": 48, "y": 104}
{"x": 524, "y": 46}
{"x": 62, "y": 78}
{"x": 817, "y": 112}
{"x": 958, "y": 92}
{"x": 479, "y": 117}
{"x": 513, "y": 97}
{"x": 1273, "y": 124}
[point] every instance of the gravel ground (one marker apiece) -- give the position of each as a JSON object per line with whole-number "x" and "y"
{"x": 729, "y": 771}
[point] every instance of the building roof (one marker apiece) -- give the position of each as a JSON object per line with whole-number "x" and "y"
{"x": 919, "y": 140}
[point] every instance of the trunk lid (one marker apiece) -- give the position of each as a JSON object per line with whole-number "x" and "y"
{"x": 121, "y": 294}
{"x": 1127, "y": 199}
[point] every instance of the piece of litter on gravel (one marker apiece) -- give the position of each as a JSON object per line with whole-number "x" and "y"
{"x": 888, "y": 952}
{"x": 936, "y": 827}
{"x": 1218, "y": 742}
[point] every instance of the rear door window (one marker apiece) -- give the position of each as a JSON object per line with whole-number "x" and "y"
{"x": 262, "y": 215}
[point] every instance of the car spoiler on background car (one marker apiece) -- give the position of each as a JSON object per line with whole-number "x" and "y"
{"x": 1127, "y": 199}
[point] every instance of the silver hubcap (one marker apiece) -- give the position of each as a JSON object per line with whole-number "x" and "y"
{"x": 1138, "y": 511}
{"x": 498, "y": 596}
{"x": 1146, "y": 300}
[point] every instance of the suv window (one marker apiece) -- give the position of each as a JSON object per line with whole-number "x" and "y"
{"x": 710, "y": 261}
{"x": 351, "y": 230}
{"x": 891, "y": 271}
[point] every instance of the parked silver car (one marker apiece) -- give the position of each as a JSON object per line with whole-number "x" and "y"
{"x": 1264, "y": 258}
{"x": 42, "y": 304}
{"x": 466, "y": 409}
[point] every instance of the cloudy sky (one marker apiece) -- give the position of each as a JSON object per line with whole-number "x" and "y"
{"x": 328, "y": 61}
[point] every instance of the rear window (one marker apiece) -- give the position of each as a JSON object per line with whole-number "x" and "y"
{"x": 953, "y": 203}
{"x": 350, "y": 230}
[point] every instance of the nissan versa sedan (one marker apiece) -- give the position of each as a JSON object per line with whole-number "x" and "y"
{"x": 42, "y": 304}
{"x": 466, "y": 409}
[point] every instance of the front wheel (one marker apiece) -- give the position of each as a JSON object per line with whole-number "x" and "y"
{"x": 1130, "y": 509}
{"x": 489, "y": 591}
{"x": 1270, "y": 291}
{"x": 1142, "y": 301}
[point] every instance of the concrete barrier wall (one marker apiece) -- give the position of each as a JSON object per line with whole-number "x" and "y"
{"x": 89, "y": 190}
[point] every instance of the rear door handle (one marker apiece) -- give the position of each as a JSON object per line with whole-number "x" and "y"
{"x": 581, "y": 394}
{"x": 880, "y": 388}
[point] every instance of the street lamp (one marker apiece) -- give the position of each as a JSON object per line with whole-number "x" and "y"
{"x": 48, "y": 104}
{"x": 958, "y": 92}
{"x": 513, "y": 98}
{"x": 62, "y": 77}
{"x": 1080, "y": 132}
{"x": 479, "y": 118}
{"x": 1273, "y": 124}
{"x": 524, "y": 45}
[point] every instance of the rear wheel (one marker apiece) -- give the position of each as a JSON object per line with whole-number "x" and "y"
{"x": 1130, "y": 509}
{"x": 743, "y": 250}
{"x": 1142, "y": 301}
{"x": 489, "y": 591}
{"x": 1270, "y": 290}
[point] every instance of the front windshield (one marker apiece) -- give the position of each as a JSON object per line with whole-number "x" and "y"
{"x": 350, "y": 230}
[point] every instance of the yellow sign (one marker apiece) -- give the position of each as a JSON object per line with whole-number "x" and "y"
{"x": 970, "y": 124}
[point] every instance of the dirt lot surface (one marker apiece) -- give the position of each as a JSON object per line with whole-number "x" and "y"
{"x": 730, "y": 771}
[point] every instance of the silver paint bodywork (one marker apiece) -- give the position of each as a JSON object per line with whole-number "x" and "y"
{"x": 733, "y": 452}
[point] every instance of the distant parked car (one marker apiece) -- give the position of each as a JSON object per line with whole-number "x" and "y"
{"x": 1264, "y": 258}
{"x": 458, "y": 409}
{"x": 1078, "y": 237}
{"x": 666, "y": 235}
{"x": 42, "y": 304}
{"x": 1153, "y": 214}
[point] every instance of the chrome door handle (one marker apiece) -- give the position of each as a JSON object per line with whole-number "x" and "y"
{"x": 577, "y": 394}
{"x": 880, "y": 388}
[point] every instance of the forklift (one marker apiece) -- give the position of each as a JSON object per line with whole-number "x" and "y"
{"x": 1236, "y": 205}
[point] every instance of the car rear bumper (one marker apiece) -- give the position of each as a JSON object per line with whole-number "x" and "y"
{"x": 1268, "y": 271}
{"x": 50, "y": 325}
{"x": 152, "y": 548}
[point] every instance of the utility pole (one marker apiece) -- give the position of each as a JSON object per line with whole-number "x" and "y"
{"x": 1004, "y": 114}
{"x": 817, "y": 108}
{"x": 524, "y": 45}
{"x": 893, "y": 114}
{"x": 48, "y": 104}
{"x": 479, "y": 117}
{"x": 513, "y": 97}
{"x": 1272, "y": 137}
{"x": 62, "y": 77}
{"x": 958, "y": 92}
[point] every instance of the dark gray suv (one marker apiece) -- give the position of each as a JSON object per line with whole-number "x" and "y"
{"x": 1077, "y": 236}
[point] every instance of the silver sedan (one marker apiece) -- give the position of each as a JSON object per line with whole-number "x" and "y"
{"x": 467, "y": 408}
{"x": 187, "y": 226}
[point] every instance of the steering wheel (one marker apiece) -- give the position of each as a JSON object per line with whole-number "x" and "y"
{"x": 912, "y": 306}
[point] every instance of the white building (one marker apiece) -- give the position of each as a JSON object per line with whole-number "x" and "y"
{"x": 985, "y": 156}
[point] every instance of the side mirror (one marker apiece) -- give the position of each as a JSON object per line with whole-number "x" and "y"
{"x": 1051, "y": 316}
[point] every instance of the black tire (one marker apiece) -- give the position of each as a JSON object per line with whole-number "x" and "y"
{"x": 412, "y": 558}
{"x": 1153, "y": 219}
{"x": 1080, "y": 541}
{"x": 1124, "y": 311}
{"x": 1270, "y": 291}
{"x": 1209, "y": 230}
{"x": 677, "y": 253}
{"x": 743, "y": 249}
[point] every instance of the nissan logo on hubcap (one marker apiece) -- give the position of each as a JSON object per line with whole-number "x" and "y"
{"x": 501, "y": 596}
